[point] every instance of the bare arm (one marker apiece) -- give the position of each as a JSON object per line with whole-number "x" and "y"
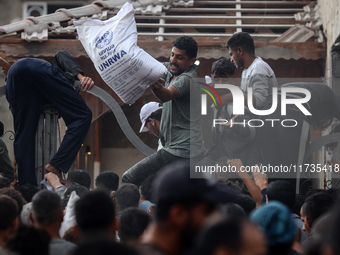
{"x": 226, "y": 98}
{"x": 86, "y": 82}
{"x": 260, "y": 179}
{"x": 162, "y": 93}
{"x": 253, "y": 189}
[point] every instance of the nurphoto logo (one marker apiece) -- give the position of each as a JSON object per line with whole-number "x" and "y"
{"x": 238, "y": 104}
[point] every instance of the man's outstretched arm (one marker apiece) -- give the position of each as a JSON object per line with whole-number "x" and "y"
{"x": 162, "y": 93}
{"x": 69, "y": 65}
{"x": 86, "y": 82}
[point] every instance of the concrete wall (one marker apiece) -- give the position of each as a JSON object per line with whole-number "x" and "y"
{"x": 119, "y": 160}
{"x": 7, "y": 119}
{"x": 330, "y": 15}
{"x": 12, "y": 14}
{"x": 11, "y": 11}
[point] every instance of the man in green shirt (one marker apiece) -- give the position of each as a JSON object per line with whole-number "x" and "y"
{"x": 180, "y": 131}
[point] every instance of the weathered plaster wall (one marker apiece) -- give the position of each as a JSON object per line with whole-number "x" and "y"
{"x": 330, "y": 15}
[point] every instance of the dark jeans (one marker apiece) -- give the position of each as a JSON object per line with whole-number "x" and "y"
{"x": 150, "y": 165}
{"x": 32, "y": 83}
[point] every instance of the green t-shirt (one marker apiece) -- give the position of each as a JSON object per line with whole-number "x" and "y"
{"x": 180, "y": 130}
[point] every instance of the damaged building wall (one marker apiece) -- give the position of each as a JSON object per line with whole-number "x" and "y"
{"x": 330, "y": 15}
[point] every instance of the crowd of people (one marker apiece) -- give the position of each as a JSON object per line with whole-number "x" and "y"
{"x": 171, "y": 213}
{"x": 159, "y": 208}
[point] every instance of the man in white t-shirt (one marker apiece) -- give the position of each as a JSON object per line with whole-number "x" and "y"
{"x": 256, "y": 73}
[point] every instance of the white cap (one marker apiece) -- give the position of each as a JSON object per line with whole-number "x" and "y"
{"x": 145, "y": 112}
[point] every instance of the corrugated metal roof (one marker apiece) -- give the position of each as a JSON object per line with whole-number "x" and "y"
{"x": 211, "y": 23}
{"x": 164, "y": 19}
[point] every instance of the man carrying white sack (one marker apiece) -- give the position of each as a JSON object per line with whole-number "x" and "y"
{"x": 180, "y": 131}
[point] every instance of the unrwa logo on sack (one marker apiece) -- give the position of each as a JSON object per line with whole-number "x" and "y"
{"x": 105, "y": 39}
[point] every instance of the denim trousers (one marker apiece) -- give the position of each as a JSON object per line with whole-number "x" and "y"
{"x": 151, "y": 165}
{"x": 31, "y": 84}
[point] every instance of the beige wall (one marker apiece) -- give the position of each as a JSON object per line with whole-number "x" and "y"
{"x": 330, "y": 16}
{"x": 7, "y": 119}
{"x": 119, "y": 160}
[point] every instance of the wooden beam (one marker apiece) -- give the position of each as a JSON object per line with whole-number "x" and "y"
{"x": 272, "y": 3}
{"x": 258, "y": 10}
{"x": 13, "y": 49}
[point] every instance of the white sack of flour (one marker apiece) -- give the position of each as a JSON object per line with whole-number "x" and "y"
{"x": 112, "y": 47}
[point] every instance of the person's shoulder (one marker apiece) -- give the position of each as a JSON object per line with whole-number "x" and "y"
{"x": 61, "y": 242}
{"x": 259, "y": 66}
{"x": 191, "y": 72}
{"x": 61, "y": 247}
{"x": 186, "y": 77}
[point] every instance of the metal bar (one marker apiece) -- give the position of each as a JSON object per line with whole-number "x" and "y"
{"x": 206, "y": 35}
{"x": 39, "y": 138}
{"x": 318, "y": 143}
{"x": 161, "y": 27}
{"x": 238, "y": 14}
{"x": 47, "y": 135}
{"x": 53, "y": 137}
{"x": 216, "y": 17}
{"x": 234, "y": 10}
{"x": 302, "y": 150}
{"x": 215, "y": 25}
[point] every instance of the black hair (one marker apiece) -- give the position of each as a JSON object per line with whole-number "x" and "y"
{"x": 233, "y": 210}
{"x": 283, "y": 192}
{"x": 4, "y": 182}
{"x": 79, "y": 176}
{"x": 107, "y": 180}
{"x": 246, "y": 202}
{"x": 243, "y": 40}
{"x": 8, "y": 211}
{"x": 146, "y": 187}
{"x": 299, "y": 200}
{"x": 188, "y": 44}
{"x": 164, "y": 206}
{"x": 16, "y": 195}
{"x": 317, "y": 204}
{"x": 230, "y": 183}
{"x": 94, "y": 212}
{"x": 127, "y": 195}
{"x": 46, "y": 207}
{"x": 156, "y": 115}
{"x": 79, "y": 189}
{"x": 28, "y": 191}
{"x": 133, "y": 222}
{"x": 334, "y": 231}
{"x": 223, "y": 68}
{"x": 29, "y": 240}
{"x": 226, "y": 233}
